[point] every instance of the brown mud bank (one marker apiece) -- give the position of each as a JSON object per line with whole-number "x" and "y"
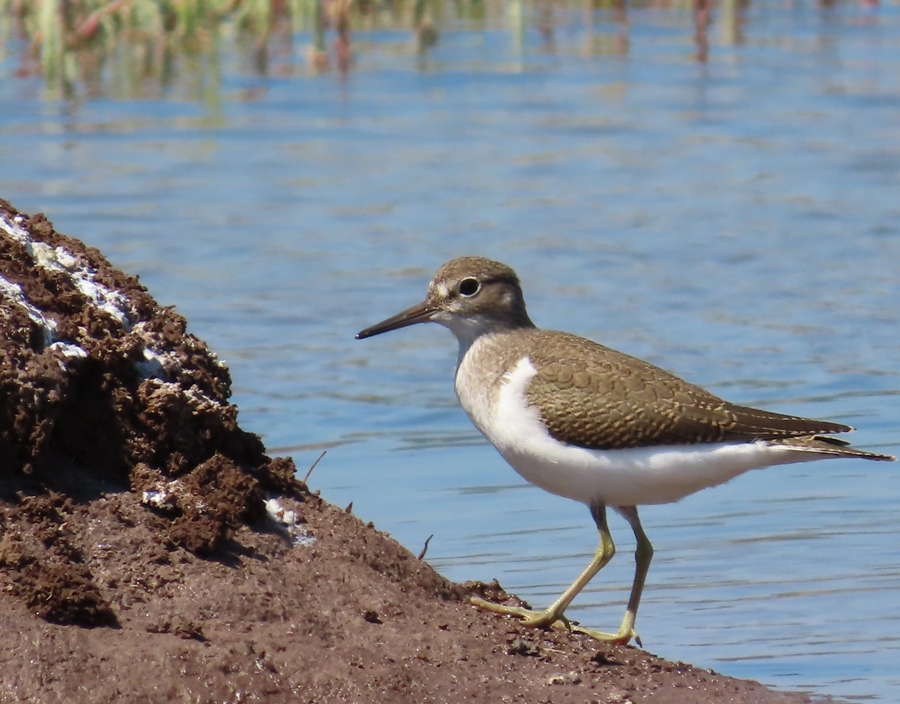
{"x": 150, "y": 551}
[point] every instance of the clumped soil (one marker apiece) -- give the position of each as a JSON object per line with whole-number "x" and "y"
{"x": 150, "y": 551}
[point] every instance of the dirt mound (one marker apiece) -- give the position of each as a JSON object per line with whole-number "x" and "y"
{"x": 94, "y": 374}
{"x": 150, "y": 551}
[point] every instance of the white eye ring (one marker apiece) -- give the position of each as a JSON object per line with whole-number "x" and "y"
{"x": 469, "y": 286}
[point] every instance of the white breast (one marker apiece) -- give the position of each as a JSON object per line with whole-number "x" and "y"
{"x": 653, "y": 475}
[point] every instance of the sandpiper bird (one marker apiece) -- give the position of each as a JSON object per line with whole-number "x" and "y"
{"x": 595, "y": 425}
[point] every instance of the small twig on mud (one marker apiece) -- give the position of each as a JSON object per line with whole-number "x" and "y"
{"x": 306, "y": 478}
{"x": 425, "y": 549}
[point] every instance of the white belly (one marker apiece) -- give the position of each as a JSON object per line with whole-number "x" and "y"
{"x": 629, "y": 477}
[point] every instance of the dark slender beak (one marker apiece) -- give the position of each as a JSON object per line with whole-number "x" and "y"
{"x": 420, "y": 313}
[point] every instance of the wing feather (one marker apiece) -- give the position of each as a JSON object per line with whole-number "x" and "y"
{"x": 595, "y": 397}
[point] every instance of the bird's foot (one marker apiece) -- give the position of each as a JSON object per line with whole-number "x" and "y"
{"x": 549, "y": 618}
{"x": 622, "y": 637}
{"x": 533, "y": 619}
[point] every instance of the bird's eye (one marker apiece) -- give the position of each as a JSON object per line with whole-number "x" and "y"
{"x": 469, "y": 287}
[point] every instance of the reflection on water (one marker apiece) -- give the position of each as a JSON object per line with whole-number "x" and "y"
{"x": 141, "y": 48}
{"x": 733, "y": 219}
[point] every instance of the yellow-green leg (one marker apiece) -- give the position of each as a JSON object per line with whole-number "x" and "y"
{"x": 643, "y": 555}
{"x": 553, "y": 616}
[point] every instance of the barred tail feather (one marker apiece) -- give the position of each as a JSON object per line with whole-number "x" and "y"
{"x": 824, "y": 445}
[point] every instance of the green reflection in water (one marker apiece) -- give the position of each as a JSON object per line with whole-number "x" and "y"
{"x": 141, "y": 48}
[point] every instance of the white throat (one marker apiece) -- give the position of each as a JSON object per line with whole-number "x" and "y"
{"x": 465, "y": 328}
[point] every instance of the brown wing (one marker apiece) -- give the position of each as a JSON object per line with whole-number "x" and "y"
{"x": 595, "y": 397}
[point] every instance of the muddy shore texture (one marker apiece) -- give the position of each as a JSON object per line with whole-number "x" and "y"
{"x": 150, "y": 551}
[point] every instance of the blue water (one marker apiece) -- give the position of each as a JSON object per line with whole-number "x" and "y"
{"x": 735, "y": 220}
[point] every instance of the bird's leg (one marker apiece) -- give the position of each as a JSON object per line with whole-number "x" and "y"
{"x": 643, "y": 554}
{"x": 553, "y": 616}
